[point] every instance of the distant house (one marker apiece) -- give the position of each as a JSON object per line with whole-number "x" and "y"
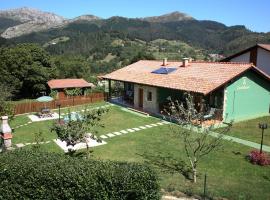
{"x": 60, "y": 85}
{"x": 237, "y": 91}
{"x": 259, "y": 55}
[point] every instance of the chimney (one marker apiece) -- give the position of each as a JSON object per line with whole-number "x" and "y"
{"x": 165, "y": 62}
{"x": 185, "y": 62}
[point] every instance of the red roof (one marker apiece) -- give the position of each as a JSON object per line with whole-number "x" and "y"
{"x": 69, "y": 83}
{"x": 200, "y": 77}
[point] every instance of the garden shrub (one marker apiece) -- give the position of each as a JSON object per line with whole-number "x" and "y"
{"x": 258, "y": 158}
{"x": 27, "y": 174}
{"x": 6, "y": 108}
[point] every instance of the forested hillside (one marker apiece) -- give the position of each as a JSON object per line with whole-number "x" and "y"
{"x": 208, "y": 35}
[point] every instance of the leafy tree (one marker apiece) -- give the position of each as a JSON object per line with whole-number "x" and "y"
{"x": 71, "y": 66}
{"x": 142, "y": 56}
{"x": 26, "y": 67}
{"x": 6, "y": 107}
{"x": 196, "y": 137}
{"x": 75, "y": 131}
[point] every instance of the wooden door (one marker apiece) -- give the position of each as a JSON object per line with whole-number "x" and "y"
{"x": 140, "y": 97}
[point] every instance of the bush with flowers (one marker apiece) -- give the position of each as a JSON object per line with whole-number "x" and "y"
{"x": 255, "y": 157}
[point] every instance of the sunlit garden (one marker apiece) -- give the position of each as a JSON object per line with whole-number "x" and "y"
{"x": 229, "y": 173}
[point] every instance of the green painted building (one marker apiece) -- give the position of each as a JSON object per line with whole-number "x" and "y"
{"x": 247, "y": 97}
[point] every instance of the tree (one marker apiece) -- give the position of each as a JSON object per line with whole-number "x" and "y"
{"x": 142, "y": 56}
{"x": 75, "y": 131}
{"x": 71, "y": 66}
{"x": 26, "y": 67}
{"x": 6, "y": 107}
{"x": 196, "y": 137}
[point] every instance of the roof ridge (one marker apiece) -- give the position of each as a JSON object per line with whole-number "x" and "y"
{"x": 211, "y": 62}
{"x": 200, "y": 61}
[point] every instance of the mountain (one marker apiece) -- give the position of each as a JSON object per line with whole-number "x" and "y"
{"x": 31, "y": 20}
{"x": 171, "y": 17}
{"x": 26, "y": 14}
{"x": 90, "y": 33}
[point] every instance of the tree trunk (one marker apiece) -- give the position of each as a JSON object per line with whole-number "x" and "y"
{"x": 194, "y": 170}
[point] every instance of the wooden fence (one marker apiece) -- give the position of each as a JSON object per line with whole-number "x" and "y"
{"x": 69, "y": 101}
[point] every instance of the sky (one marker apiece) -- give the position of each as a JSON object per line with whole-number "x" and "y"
{"x": 255, "y": 15}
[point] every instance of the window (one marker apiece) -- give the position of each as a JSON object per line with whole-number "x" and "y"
{"x": 149, "y": 96}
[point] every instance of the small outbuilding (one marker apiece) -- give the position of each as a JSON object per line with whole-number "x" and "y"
{"x": 61, "y": 85}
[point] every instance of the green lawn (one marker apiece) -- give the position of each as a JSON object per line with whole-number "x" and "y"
{"x": 249, "y": 130}
{"x": 229, "y": 174}
{"x": 115, "y": 120}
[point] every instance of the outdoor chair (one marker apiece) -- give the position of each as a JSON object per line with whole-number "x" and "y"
{"x": 210, "y": 115}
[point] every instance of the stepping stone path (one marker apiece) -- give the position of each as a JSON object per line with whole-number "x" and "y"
{"x": 124, "y": 131}
{"x": 106, "y": 136}
{"x": 110, "y": 135}
{"x": 132, "y": 130}
{"x": 143, "y": 127}
{"x": 20, "y": 145}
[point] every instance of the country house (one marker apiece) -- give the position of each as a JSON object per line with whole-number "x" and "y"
{"x": 235, "y": 91}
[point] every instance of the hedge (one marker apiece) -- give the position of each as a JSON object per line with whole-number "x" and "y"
{"x": 26, "y": 174}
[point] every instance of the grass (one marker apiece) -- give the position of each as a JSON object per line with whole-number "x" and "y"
{"x": 229, "y": 174}
{"x": 115, "y": 120}
{"x": 249, "y": 130}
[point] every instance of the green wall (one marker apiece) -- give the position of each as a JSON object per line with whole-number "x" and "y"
{"x": 247, "y": 97}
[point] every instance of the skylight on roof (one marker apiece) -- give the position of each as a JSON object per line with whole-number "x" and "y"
{"x": 164, "y": 70}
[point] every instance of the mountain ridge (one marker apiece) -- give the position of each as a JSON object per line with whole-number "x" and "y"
{"x": 208, "y": 35}
{"x": 35, "y": 20}
{"x": 32, "y": 20}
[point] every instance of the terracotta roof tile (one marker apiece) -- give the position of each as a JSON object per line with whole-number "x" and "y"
{"x": 201, "y": 77}
{"x": 68, "y": 83}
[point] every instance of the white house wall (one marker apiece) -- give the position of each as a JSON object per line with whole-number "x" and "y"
{"x": 150, "y": 106}
{"x": 242, "y": 58}
{"x": 263, "y": 60}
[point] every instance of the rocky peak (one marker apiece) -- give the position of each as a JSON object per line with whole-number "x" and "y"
{"x": 26, "y": 14}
